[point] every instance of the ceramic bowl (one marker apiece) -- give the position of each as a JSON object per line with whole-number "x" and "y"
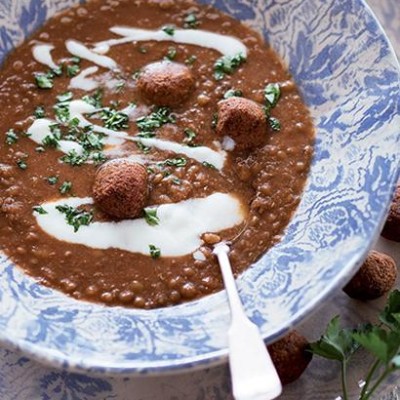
{"x": 349, "y": 77}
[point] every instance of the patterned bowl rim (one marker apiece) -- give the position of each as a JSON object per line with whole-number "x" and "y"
{"x": 48, "y": 357}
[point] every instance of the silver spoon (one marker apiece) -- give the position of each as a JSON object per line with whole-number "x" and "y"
{"x": 253, "y": 373}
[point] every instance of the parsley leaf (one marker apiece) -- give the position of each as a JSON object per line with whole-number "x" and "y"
{"x": 95, "y": 100}
{"x": 227, "y": 65}
{"x": 209, "y": 165}
{"x": 272, "y": 94}
{"x": 73, "y": 158}
{"x": 40, "y": 210}
{"x": 169, "y": 30}
{"x": 65, "y": 187}
{"x": 390, "y": 316}
{"x": 39, "y": 112}
{"x": 52, "y": 180}
{"x": 22, "y": 164}
{"x": 75, "y": 217}
{"x": 174, "y": 162}
{"x": 191, "y": 60}
{"x": 171, "y": 55}
{"x": 114, "y": 119}
{"x": 158, "y": 118}
{"x": 155, "y": 252}
{"x": 72, "y": 70}
{"x": 274, "y": 123}
{"x": 44, "y": 81}
{"x": 191, "y": 21}
{"x": 150, "y": 215}
{"x": 190, "y": 136}
{"x": 11, "y": 137}
{"x": 233, "y": 93}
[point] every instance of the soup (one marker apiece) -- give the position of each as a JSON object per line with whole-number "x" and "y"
{"x": 136, "y": 136}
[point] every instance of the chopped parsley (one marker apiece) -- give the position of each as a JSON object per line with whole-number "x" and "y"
{"x": 53, "y": 138}
{"x": 190, "y": 136}
{"x": 61, "y": 108}
{"x": 171, "y": 55}
{"x": 22, "y": 164}
{"x": 227, "y": 65}
{"x": 39, "y": 112}
{"x": 75, "y": 217}
{"x": 72, "y": 70}
{"x": 209, "y": 165}
{"x": 174, "y": 162}
{"x": 144, "y": 149}
{"x": 44, "y": 81}
{"x": 120, "y": 86}
{"x": 176, "y": 181}
{"x": 155, "y": 252}
{"x": 233, "y": 93}
{"x": 142, "y": 50}
{"x": 73, "y": 158}
{"x": 274, "y": 123}
{"x": 150, "y": 215}
{"x": 11, "y": 137}
{"x": 149, "y": 123}
{"x": 52, "y": 180}
{"x": 272, "y": 94}
{"x": 95, "y": 100}
{"x": 191, "y": 21}
{"x": 169, "y": 30}
{"x": 65, "y": 187}
{"x": 98, "y": 157}
{"x": 114, "y": 119}
{"x": 136, "y": 74}
{"x": 191, "y": 60}
{"x": 40, "y": 210}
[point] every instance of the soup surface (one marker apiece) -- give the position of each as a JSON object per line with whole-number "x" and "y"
{"x": 135, "y": 136}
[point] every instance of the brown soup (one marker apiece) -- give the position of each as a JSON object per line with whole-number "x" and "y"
{"x": 215, "y": 142}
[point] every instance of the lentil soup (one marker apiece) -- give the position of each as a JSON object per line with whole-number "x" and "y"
{"x": 135, "y": 136}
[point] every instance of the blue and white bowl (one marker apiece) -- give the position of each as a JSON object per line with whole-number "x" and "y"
{"x": 349, "y": 77}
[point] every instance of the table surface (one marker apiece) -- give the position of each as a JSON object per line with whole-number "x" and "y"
{"x": 23, "y": 379}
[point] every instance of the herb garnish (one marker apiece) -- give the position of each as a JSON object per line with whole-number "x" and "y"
{"x": 190, "y": 136}
{"x": 191, "y": 21}
{"x": 40, "y": 210}
{"x": 95, "y": 100}
{"x": 144, "y": 149}
{"x": 114, "y": 119}
{"x": 233, "y": 93}
{"x": 53, "y": 138}
{"x": 72, "y": 70}
{"x": 73, "y": 158}
{"x": 65, "y": 187}
{"x": 52, "y": 180}
{"x": 169, "y": 30}
{"x": 382, "y": 341}
{"x": 272, "y": 94}
{"x": 11, "y": 137}
{"x": 227, "y": 65}
{"x": 39, "y": 112}
{"x": 148, "y": 124}
{"x": 209, "y": 165}
{"x": 46, "y": 80}
{"x": 150, "y": 215}
{"x": 75, "y": 217}
{"x": 98, "y": 157}
{"x": 22, "y": 164}
{"x": 155, "y": 252}
{"x": 174, "y": 162}
{"x": 171, "y": 55}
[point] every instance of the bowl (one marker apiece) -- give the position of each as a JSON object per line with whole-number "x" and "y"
{"x": 349, "y": 77}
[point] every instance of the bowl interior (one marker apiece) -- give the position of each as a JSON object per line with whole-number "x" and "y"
{"x": 349, "y": 77}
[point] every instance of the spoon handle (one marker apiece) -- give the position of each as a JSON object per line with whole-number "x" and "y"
{"x": 253, "y": 373}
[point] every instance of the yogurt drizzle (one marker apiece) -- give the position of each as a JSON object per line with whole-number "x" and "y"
{"x": 177, "y": 234}
{"x": 42, "y": 54}
{"x": 224, "y": 44}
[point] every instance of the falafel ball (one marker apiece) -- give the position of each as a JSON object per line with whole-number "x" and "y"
{"x": 290, "y": 356}
{"x": 391, "y": 230}
{"x": 120, "y": 188}
{"x": 243, "y": 120}
{"x": 375, "y": 278}
{"x": 165, "y": 83}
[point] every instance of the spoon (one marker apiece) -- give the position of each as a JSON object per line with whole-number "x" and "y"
{"x": 253, "y": 373}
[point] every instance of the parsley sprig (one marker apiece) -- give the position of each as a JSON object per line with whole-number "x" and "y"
{"x": 75, "y": 217}
{"x": 382, "y": 341}
{"x": 148, "y": 124}
{"x": 227, "y": 65}
{"x": 150, "y": 215}
{"x": 272, "y": 94}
